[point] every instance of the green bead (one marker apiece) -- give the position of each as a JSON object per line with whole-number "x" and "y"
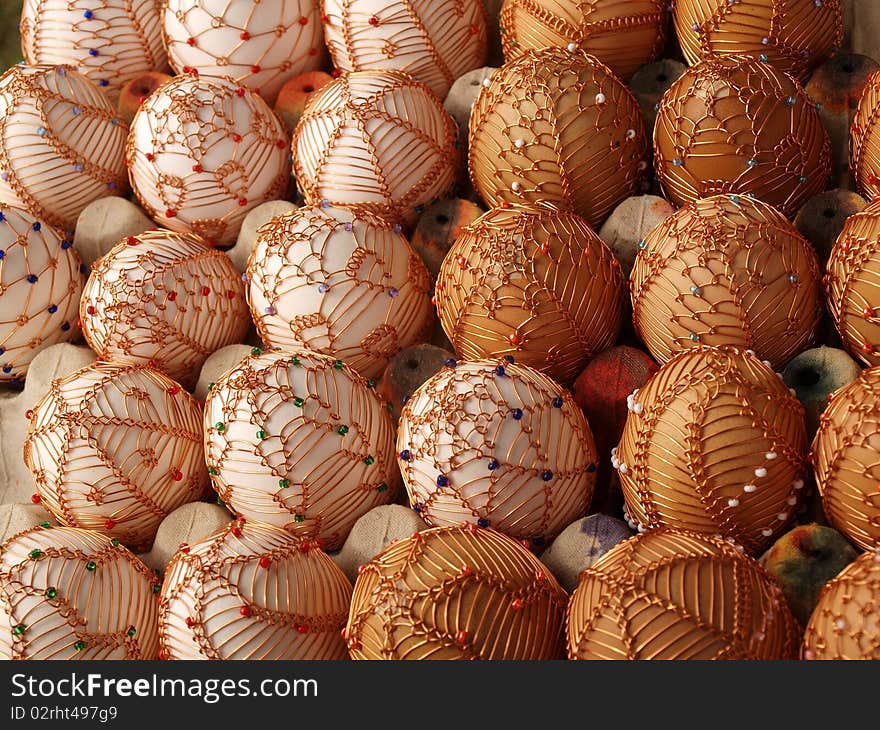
{"x": 220, "y": 426}
{"x": 369, "y": 461}
{"x": 383, "y": 487}
{"x": 283, "y": 483}
{"x": 45, "y": 525}
{"x": 295, "y": 361}
{"x": 371, "y": 383}
{"x": 79, "y": 645}
{"x": 212, "y": 471}
{"x": 298, "y": 518}
{"x": 298, "y": 402}
{"x": 211, "y": 385}
{"x": 19, "y": 630}
{"x": 338, "y": 364}
{"x": 114, "y": 542}
{"x": 389, "y": 407}
{"x": 91, "y": 565}
{"x": 132, "y": 631}
{"x": 51, "y": 592}
{"x": 156, "y": 588}
{"x": 256, "y": 351}
{"x": 36, "y": 554}
{"x": 342, "y": 430}
{"x": 262, "y": 435}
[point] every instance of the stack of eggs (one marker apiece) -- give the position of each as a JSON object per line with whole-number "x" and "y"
{"x": 493, "y": 450}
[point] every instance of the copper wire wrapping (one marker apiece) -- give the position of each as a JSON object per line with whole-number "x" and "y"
{"x": 556, "y": 126}
{"x": 202, "y": 152}
{"x": 536, "y": 283}
{"x": 376, "y": 140}
{"x": 114, "y": 448}
{"x": 845, "y": 459}
{"x": 500, "y": 444}
{"x": 75, "y": 594}
{"x": 865, "y": 140}
{"x": 166, "y": 299}
{"x": 734, "y": 124}
{"x": 338, "y": 281}
{"x": 623, "y": 34}
{"x": 110, "y": 42}
{"x": 434, "y": 41}
{"x": 726, "y": 270}
{"x": 679, "y": 595}
{"x": 716, "y": 444}
{"x": 251, "y": 591}
{"x": 456, "y": 593}
{"x": 61, "y": 143}
{"x": 259, "y": 45}
{"x": 299, "y": 440}
{"x": 41, "y": 281}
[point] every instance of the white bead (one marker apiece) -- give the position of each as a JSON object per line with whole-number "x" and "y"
{"x": 792, "y": 501}
{"x": 750, "y": 352}
{"x": 600, "y": 98}
{"x": 572, "y": 47}
{"x": 760, "y": 472}
{"x": 623, "y": 468}
{"x": 641, "y": 527}
{"x": 733, "y": 503}
{"x": 766, "y": 362}
{"x": 782, "y": 516}
{"x": 840, "y": 623}
{"x": 485, "y": 82}
{"x": 766, "y": 532}
{"x": 637, "y": 408}
{"x": 798, "y": 484}
{"x": 630, "y": 134}
{"x": 749, "y": 488}
{"x": 792, "y": 391}
{"x": 770, "y": 455}
{"x": 519, "y": 143}
{"x": 515, "y": 186}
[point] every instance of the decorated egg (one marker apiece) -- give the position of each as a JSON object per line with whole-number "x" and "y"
{"x": 377, "y": 140}
{"x": 732, "y": 124}
{"x": 536, "y": 283}
{"x": 623, "y": 34}
{"x": 434, "y": 41}
{"x": 499, "y": 444}
{"x": 714, "y": 443}
{"x": 557, "y": 126}
{"x": 251, "y": 591}
{"x": 299, "y": 440}
{"x": 488, "y": 598}
{"x": 338, "y": 281}
{"x": 795, "y": 36}
{"x": 845, "y": 459}
{"x": 114, "y": 448}
{"x": 202, "y": 152}
{"x": 727, "y": 270}
{"x": 75, "y": 594}
{"x": 260, "y": 45}
{"x": 109, "y": 41}
{"x": 61, "y": 144}
{"x": 41, "y": 280}
{"x": 864, "y": 146}
{"x": 163, "y": 298}
{"x": 679, "y": 595}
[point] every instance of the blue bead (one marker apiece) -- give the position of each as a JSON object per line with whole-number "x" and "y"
{"x": 510, "y": 359}
{"x": 2, "y": 217}
{"x": 557, "y": 402}
{"x": 65, "y": 244}
{"x": 405, "y": 455}
{"x": 65, "y": 327}
{"x": 416, "y": 508}
{"x": 482, "y": 522}
{"x": 87, "y": 14}
{"x": 2, "y": 350}
{"x": 7, "y": 368}
{"x": 83, "y": 269}
{"x": 103, "y": 82}
{"x": 53, "y": 309}
{"x": 36, "y": 226}
{"x": 546, "y": 475}
{"x": 32, "y": 278}
{"x": 500, "y": 370}
{"x": 591, "y": 468}
{"x": 517, "y": 413}
{"x": 2, "y": 254}
{"x": 404, "y": 400}
{"x": 450, "y": 362}
{"x": 93, "y": 52}
{"x": 442, "y": 481}
{"x": 493, "y": 465}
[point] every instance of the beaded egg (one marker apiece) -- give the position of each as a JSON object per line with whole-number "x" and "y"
{"x": 864, "y": 146}
{"x": 109, "y": 41}
{"x": 456, "y": 593}
{"x": 844, "y": 624}
{"x": 251, "y": 591}
{"x": 734, "y": 124}
{"x": 41, "y": 280}
{"x": 853, "y": 275}
{"x": 556, "y": 126}
{"x": 376, "y": 140}
{"x": 499, "y": 444}
{"x": 202, "y": 152}
{"x": 260, "y": 45}
{"x": 75, "y": 594}
{"x": 338, "y": 281}
{"x": 434, "y": 41}
{"x": 795, "y": 36}
{"x": 846, "y": 459}
{"x": 536, "y": 283}
{"x": 61, "y": 144}
{"x": 163, "y": 298}
{"x": 714, "y": 443}
{"x": 114, "y": 448}
{"x": 299, "y": 440}
{"x": 726, "y": 270}
{"x": 679, "y": 595}
{"x": 623, "y": 34}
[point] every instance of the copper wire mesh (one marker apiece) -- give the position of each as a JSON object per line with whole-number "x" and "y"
{"x": 341, "y": 282}
{"x": 300, "y": 441}
{"x": 844, "y": 624}
{"x": 714, "y": 443}
{"x": 75, "y": 594}
{"x": 61, "y": 143}
{"x": 679, "y": 595}
{"x": 377, "y": 140}
{"x": 535, "y": 283}
{"x": 793, "y": 35}
{"x": 845, "y": 459}
{"x": 456, "y": 593}
{"x": 114, "y": 448}
{"x": 733, "y": 124}
{"x": 251, "y": 591}
{"x": 40, "y": 285}
{"x": 202, "y": 152}
{"x": 259, "y": 44}
{"x": 623, "y": 34}
{"x": 163, "y": 298}
{"x": 853, "y": 284}
{"x": 500, "y": 444}
{"x": 865, "y": 140}
{"x": 109, "y": 41}
{"x": 556, "y": 126}
{"x": 726, "y": 270}
{"x": 434, "y": 41}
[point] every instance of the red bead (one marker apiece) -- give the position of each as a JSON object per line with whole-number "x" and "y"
{"x": 240, "y": 91}
{"x": 539, "y": 575}
{"x": 545, "y": 247}
{"x": 471, "y": 527}
{"x": 161, "y": 655}
{"x": 415, "y": 536}
{"x": 183, "y": 547}
{"x": 236, "y": 531}
{"x": 90, "y": 309}
{"x": 868, "y": 312}
{"x": 303, "y": 20}
{"x": 29, "y": 413}
{"x": 177, "y": 475}
{"x": 150, "y": 156}
{"x": 172, "y": 295}
{"x": 374, "y": 20}
{"x": 353, "y": 643}
{"x": 236, "y": 138}
{"x": 230, "y": 294}
{"x": 461, "y": 637}
{"x": 313, "y": 51}
{"x": 109, "y": 524}
{"x": 265, "y": 562}
{"x": 361, "y": 568}
{"x": 35, "y": 498}
{"x": 830, "y": 397}
{"x": 325, "y": 18}
{"x": 197, "y": 168}
{"x": 516, "y": 604}
{"x": 189, "y": 622}
{"x": 245, "y": 610}
{"x": 302, "y": 629}
{"x": 245, "y": 36}
{"x": 466, "y": 570}
{"x": 304, "y": 546}
{"x": 132, "y": 241}
{"x": 514, "y": 338}
{"x": 867, "y": 347}
{"x": 170, "y": 213}
{"x": 205, "y": 291}
{"x": 190, "y": 41}
{"x": 872, "y": 179}
{"x": 462, "y": 261}
{"x": 242, "y": 202}
{"x": 336, "y": 73}
{"x": 281, "y": 144}
{"x": 474, "y": 30}
{"x": 173, "y": 390}
{"x": 255, "y": 69}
